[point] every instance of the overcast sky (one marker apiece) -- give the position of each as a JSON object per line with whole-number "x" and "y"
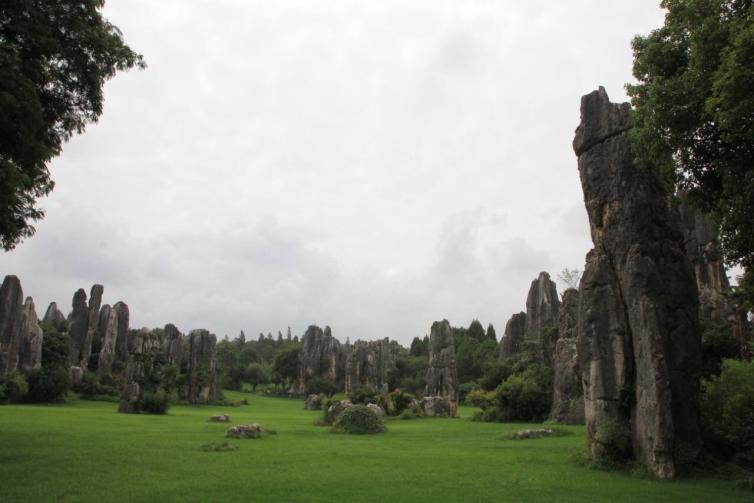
{"x": 371, "y": 165}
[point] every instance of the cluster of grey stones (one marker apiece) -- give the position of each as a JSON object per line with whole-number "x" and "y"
{"x": 101, "y": 333}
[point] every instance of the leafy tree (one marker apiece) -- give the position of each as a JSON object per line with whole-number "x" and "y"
{"x": 570, "y": 278}
{"x": 258, "y": 373}
{"x": 476, "y": 330}
{"x": 694, "y": 111}
{"x": 491, "y": 334}
{"x": 286, "y": 362}
{"x": 55, "y": 56}
{"x": 420, "y": 347}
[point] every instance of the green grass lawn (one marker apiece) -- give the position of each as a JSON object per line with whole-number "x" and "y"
{"x": 85, "y": 451}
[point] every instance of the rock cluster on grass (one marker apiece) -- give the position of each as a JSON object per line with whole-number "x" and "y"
{"x": 252, "y": 430}
{"x": 129, "y": 398}
{"x": 639, "y": 341}
{"x": 313, "y": 402}
{"x": 442, "y": 373}
{"x": 221, "y": 418}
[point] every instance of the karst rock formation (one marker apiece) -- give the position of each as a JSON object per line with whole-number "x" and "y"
{"x": 542, "y": 306}
{"x": 321, "y": 356}
{"x": 369, "y": 364}
{"x": 20, "y": 334}
{"x": 513, "y": 338}
{"x": 442, "y": 374}
{"x": 639, "y": 341}
{"x": 568, "y": 394}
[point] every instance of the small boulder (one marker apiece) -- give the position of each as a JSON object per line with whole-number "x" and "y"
{"x": 252, "y": 430}
{"x": 376, "y": 409}
{"x": 336, "y": 409}
{"x": 77, "y": 374}
{"x": 128, "y": 398}
{"x": 437, "y": 406}
{"x": 313, "y": 402}
{"x": 222, "y": 418}
{"x": 533, "y": 433}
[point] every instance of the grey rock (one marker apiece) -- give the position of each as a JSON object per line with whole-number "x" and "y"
{"x": 95, "y": 302}
{"x": 568, "y": 394}
{"x": 201, "y": 381}
{"x": 252, "y": 430}
{"x": 129, "y": 398}
{"x": 53, "y": 316}
{"x": 442, "y": 373}
{"x": 336, "y": 409}
{"x": 321, "y": 356}
{"x": 30, "y": 357}
{"x": 78, "y": 322}
{"x": 542, "y": 306}
{"x": 513, "y": 338}
{"x": 108, "y": 328}
{"x": 222, "y": 418}
{"x": 639, "y": 341}
{"x": 313, "y": 402}
{"x": 172, "y": 344}
{"x": 11, "y": 318}
{"x": 77, "y": 374}
{"x": 121, "y": 337}
{"x": 369, "y": 364}
{"x": 378, "y": 411}
{"x": 438, "y": 406}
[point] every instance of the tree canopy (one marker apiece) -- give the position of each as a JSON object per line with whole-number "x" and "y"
{"x": 694, "y": 111}
{"x": 55, "y": 56}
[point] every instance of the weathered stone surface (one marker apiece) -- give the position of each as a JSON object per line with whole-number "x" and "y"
{"x": 321, "y": 356}
{"x": 369, "y": 364}
{"x": 108, "y": 331}
{"x": 442, "y": 374}
{"x": 252, "y": 430}
{"x": 201, "y": 381}
{"x": 542, "y": 306}
{"x": 121, "y": 337}
{"x": 639, "y": 343}
{"x": 30, "y": 356}
{"x": 313, "y": 402}
{"x": 336, "y": 409}
{"x": 222, "y": 418}
{"x": 533, "y": 433}
{"x": 95, "y": 302}
{"x": 568, "y": 394}
{"x": 129, "y": 398}
{"x": 700, "y": 236}
{"x": 53, "y": 316}
{"x": 378, "y": 411}
{"x": 438, "y": 406}
{"x": 77, "y": 374}
{"x": 172, "y": 344}
{"x": 513, "y": 338}
{"x": 78, "y": 320}
{"x": 11, "y": 315}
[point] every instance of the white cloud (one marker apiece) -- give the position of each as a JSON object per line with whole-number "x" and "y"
{"x": 369, "y": 165}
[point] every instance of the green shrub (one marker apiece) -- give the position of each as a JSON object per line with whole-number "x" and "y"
{"x": 615, "y": 439}
{"x": 48, "y": 384}
{"x": 321, "y": 386}
{"x": 92, "y": 387}
{"x": 154, "y": 402}
{"x": 363, "y": 395}
{"x": 718, "y": 343}
{"x": 526, "y": 396}
{"x": 728, "y": 412}
{"x": 466, "y": 388}
{"x": 359, "y": 420}
{"x": 414, "y": 411}
{"x": 14, "y": 387}
{"x": 395, "y": 402}
{"x": 480, "y": 398}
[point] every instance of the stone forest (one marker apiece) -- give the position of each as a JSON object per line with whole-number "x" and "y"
{"x": 632, "y": 383}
